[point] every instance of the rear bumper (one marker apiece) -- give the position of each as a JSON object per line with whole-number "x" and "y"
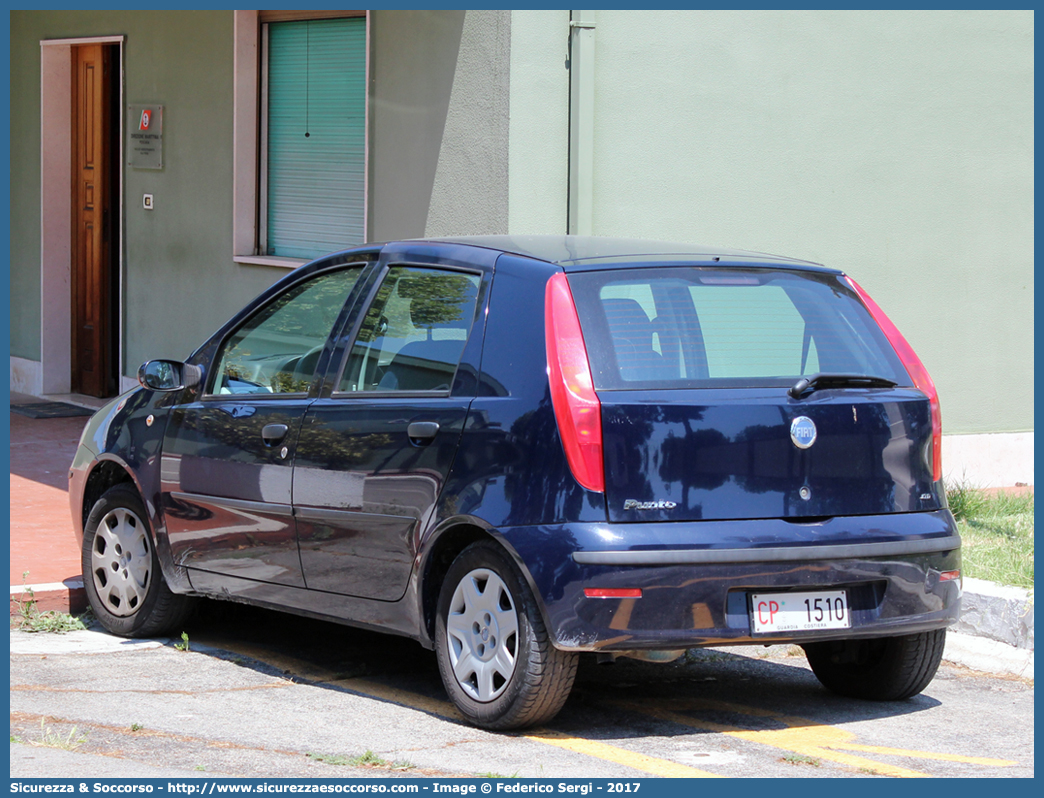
{"x": 696, "y": 579}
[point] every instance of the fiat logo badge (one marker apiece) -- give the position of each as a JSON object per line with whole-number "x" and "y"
{"x": 803, "y": 432}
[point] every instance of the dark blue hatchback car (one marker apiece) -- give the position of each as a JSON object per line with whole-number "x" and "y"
{"x": 517, "y": 449}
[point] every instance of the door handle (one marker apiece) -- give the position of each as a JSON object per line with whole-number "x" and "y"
{"x": 421, "y": 433}
{"x": 273, "y": 434}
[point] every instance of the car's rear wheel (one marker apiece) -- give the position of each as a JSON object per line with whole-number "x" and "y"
{"x": 495, "y": 656}
{"x": 882, "y": 669}
{"x": 122, "y": 577}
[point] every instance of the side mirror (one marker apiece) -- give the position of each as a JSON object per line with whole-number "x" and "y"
{"x": 169, "y": 375}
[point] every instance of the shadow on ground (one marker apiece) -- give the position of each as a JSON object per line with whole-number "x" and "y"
{"x": 747, "y": 687}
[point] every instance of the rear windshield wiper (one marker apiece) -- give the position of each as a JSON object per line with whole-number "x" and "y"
{"x": 828, "y": 380}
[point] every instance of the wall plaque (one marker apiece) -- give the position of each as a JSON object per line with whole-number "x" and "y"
{"x": 145, "y": 126}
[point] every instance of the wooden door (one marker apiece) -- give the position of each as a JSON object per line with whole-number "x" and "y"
{"x": 93, "y": 352}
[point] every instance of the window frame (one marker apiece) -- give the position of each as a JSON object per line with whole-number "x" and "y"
{"x": 246, "y": 132}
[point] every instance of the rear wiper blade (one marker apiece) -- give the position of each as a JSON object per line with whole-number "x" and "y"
{"x": 829, "y": 380}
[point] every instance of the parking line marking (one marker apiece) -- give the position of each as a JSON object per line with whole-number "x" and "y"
{"x": 435, "y": 706}
{"x": 970, "y": 760}
{"x": 580, "y": 745}
{"x": 844, "y": 743}
{"x": 807, "y": 738}
{"x": 621, "y": 756}
{"x": 803, "y": 736}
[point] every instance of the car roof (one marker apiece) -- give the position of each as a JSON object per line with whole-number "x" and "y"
{"x": 598, "y": 252}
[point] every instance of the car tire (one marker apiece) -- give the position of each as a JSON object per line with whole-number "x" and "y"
{"x": 494, "y": 653}
{"x": 882, "y": 669}
{"x": 121, "y": 573}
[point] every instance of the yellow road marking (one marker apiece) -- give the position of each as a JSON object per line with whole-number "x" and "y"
{"x": 971, "y": 760}
{"x": 621, "y": 756}
{"x": 435, "y": 706}
{"x": 796, "y": 722}
{"x": 807, "y": 741}
{"x": 593, "y": 748}
{"x": 801, "y": 736}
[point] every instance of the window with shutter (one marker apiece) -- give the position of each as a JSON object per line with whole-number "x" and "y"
{"x": 313, "y": 136}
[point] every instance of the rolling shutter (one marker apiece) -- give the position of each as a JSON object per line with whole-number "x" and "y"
{"x": 315, "y": 136}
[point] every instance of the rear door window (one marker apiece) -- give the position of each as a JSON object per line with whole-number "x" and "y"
{"x": 413, "y": 334}
{"x": 688, "y": 327}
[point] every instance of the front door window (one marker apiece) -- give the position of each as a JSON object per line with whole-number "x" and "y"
{"x": 276, "y": 350}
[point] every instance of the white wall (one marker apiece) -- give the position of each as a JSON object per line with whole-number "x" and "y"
{"x": 538, "y": 149}
{"x": 896, "y": 145}
{"x": 1002, "y": 460}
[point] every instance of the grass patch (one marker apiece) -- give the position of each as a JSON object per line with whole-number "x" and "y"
{"x": 799, "y": 759}
{"x": 184, "y": 644}
{"x": 29, "y": 618}
{"x": 966, "y": 501}
{"x": 53, "y": 739}
{"x": 330, "y": 759}
{"x": 997, "y": 535}
{"x": 367, "y": 760}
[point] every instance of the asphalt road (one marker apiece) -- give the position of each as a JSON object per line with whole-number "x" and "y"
{"x": 265, "y": 694}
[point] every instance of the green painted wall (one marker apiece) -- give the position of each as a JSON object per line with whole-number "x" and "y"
{"x": 181, "y": 282}
{"x": 439, "y": 123}
{"x": 470, "y": 192}
{"x": 413, "y": 61}
{"x": 25, "y": 189}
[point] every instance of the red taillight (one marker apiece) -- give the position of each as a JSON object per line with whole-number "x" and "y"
{"x": 577, "y": 409}
{"x": 950, "y": 576}
{"x": 918, "y": 373}
{"x": 613, "y": 592}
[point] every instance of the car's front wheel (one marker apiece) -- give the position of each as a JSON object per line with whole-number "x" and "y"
{"x": 495, "y": 656}
{"x": 121, "y": 573}
{"x": 882, "y": 669}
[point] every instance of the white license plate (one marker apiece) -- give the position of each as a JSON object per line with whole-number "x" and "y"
{"x": 798, "y": 612}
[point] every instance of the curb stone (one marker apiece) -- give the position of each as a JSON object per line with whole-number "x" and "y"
{"x": 997, "y": 612}
{"x": 68, "y": 596}
{"x": 988, "y": 656}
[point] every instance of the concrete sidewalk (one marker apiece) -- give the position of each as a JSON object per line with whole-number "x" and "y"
{"x": 995, "y": 633}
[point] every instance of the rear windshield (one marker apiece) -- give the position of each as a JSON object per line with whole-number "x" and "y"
{"x": 691, "y": 327}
